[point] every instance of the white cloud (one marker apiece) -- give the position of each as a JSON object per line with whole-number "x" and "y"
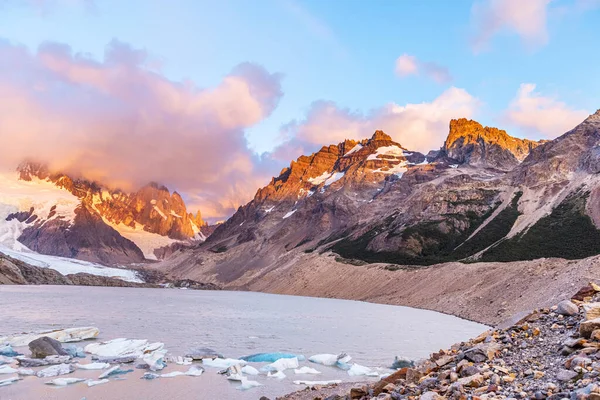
{"x": 526, "y": 18}
{"x": 409, "y": 65}
{"x": 546, "y": 117}
{"x": 421, "y": 126}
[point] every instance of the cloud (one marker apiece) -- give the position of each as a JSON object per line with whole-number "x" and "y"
{"x": 422, "y": 126}
{"x": 120, "y": 122}
{"x": 528, "y": 19}
{"x": 546, "y": 117}
{"x": 409, "y": 65}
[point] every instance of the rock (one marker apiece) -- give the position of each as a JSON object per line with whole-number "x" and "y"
{"x": 430, "y": 396}
{"x": 565, "y": 375}
{"x": 567, "y": 307}
{"x": 413, "y": 376}
{"x": 201, "y": 353}
{"x": 471, "y": 381}
{"x": 538, "y": 374}
{"x": 45, "y": 346}
{"x": 358, "y": 393}
{"x": 587, "y": 327}
{"x": 595, "y": 335}
{"x": 592, "y": 310}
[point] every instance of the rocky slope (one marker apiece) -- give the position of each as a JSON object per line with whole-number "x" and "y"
{"x": 483, "y": 196}
{"x": 552, "y": 353}
{"x": 55, "y": 214}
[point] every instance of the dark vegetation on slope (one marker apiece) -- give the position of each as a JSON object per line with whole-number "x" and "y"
{"x": 567, "y": 233}
{"x": 438, "y": 245}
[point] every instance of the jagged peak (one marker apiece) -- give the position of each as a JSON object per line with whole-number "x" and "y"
{"x": 381, "y": 135}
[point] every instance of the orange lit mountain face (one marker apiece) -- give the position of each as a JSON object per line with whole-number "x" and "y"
{"x": 483, "y": 196}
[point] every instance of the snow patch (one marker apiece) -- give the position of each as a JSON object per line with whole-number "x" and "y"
{"x": 158, "y": 210}
{"x": 398, "y": 169}
{"x": 289, "y": 214}
{"x": 320, "y": 179}
{"x": 386, "y": 152}
{"x": 268, "y": 210}
{"x": 354, "y": 150}
{"x": 146, "y": 241}
{"x": 173, "y": 213}
{"x": 334, "y": 178}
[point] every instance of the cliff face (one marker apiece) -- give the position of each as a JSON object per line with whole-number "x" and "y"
{"x": 471, "y": 143}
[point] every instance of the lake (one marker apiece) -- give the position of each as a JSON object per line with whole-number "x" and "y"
{"x": 233, "y": 323}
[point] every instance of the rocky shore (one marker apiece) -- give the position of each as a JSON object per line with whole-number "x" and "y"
{"x": 553, "y": 353}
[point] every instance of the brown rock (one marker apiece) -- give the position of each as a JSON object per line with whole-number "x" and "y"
{"x": 472, "y": 381}
{"x": 413, "y": 376}
{"x": 358, "y": 393}
{"x": 587, "y": 327}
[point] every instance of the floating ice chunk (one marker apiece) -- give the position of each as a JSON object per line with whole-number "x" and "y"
{"x": 25, "y": 372}
{"x": 359, "y": 370}
{"x": 55, "y": 370}
{"x": 248, "y": 384}
{"x": 116, "y": 370}
{"x": 155, "y": 360}
{"x": 195, "y": 370}
{"x": 223, "y": 362}
{"x": 7, "y": 350}
{"x": 123, "y": 347}
{"x": 281, "y": 365}
{"x": 203, "y": 353}
{"x": 37, "y": 362}
{"x": 330, "y": 359}
{"x": 91, "y": 383}
{"x": 271, "y": 357}
{"x": 278, "y": 375}
{"x": 74, "y": 351}
{"x": 7, "y": 370}
{"x": 64, "y": 381}
{"x": 6, "y": 360}
{"x": 62, "y": 335}
{"x": 312, "y": 383}
{"x": 115, "y": 360}
{"x": 307, "y": 370}
{"x": 235, "y": 377}
{"x": 9, "y": 381}
{"x": 149, "y": 376}
{"x": 172, "y": 374}
{"x": 183, "y": 361}
{"x": 93, "y": 366}
{"x": 250, "y": 370}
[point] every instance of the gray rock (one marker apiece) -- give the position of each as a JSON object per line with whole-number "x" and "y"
{"x": 430, "y": 396}
{"x": 45, "y": 346}
{"x": 202, "y": 353}
{"x": 564, "y": 375}
{"x": 566, "y": 307}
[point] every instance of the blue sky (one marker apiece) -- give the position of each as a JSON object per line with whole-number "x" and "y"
{"x": 345, "y": 52}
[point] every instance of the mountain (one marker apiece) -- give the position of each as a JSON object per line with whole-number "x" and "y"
{"x": 55, "y": 214}
{"x": 483, "y": 196}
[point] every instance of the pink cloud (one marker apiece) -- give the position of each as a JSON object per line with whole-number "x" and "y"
{"x": 546, "y": 117}
{"x": 421, "y": 126}
{"x": 409, "y": 65}
{"x": 120, "y": 122}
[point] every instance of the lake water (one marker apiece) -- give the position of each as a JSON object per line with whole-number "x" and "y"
{"x": 233, "y": 323}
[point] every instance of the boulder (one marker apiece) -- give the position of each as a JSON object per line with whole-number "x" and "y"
{"x": 567, "y": 307}
{"x": 45, "y": 346}
{"x": 564, "y": 375}
{"x": 430, "y": 396}
{"x": 592, "y": 310}
{"x": 587, "y": 327}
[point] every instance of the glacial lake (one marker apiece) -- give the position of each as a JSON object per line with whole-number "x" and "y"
{"x": 233, "y": 323}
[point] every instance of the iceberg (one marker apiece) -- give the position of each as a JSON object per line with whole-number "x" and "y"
{"x": 55, "y": 370}
{"x": 172, "y": 374}
{"x": 306, "y": 370}
{"x": 278, "y": 375}
{"x": 183, "y": 360}
{"x": 202, "y": 353}
{"x": 64, "y": 381}
{"x": 155, "y": 360}
{"x": 340, "y": 360}
{"x": 5, "y": 360}
{"x": 281, "y": 365}
{"x": 149, "y": 376}
{"x": 93, "y": 366}
{"x": 359, "y": 370}
{"x": 123, "y": 347}
{"x": 62, "y": 335}
{"x": 250, "y": 370}
{"x": 116, "y": 370}
{"x": 74, "y": 351}
{"x": 7, "y": 370}
{"x": 25, "y": 372}
{"x": 312, "y": 383}
{"x": 271, "y": 357}
{"x": 9, "y": 381}
{"x": 194, "y": 370}
{"x": 248, "y": 384}
{"x": 222, "y": 362}
{"x": 7, "y": 350}
{"x": 91, "y": 383}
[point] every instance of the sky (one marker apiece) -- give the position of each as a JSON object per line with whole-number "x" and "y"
{"x": 214, "y": 98}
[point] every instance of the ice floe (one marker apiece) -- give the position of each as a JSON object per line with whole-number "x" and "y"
{"x": 312, "y": 383}
{"x": 116, "y": 370}
{"x": 250, "y": 370}
{"x": 64, "y": 381}
{"x": 330, "y": 359}
{"x": 123, "y": 347}
{"x": 91, "y": 383}
{"x": 281, "y": 365}
{"x": 306, "y": 370}
{"x": 223, "y": 362}
{"x": 9, "y": 381}
{"x": 360, "y": 370}
{"x": 271, "y": 357}
{"x": 248, "y": 384}
{"x": 277, "y": 375}
{"x": 62, "y": 335}
{"x": 55, "y": 370}
{"x": 7, "y": 370}
{"x": 96, "y": 365}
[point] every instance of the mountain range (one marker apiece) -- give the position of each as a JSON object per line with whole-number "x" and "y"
{"x": 484, "y": 196}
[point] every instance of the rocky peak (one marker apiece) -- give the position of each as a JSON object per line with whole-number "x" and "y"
{"x": 28, "y": 170}
{"x": 469, "y": 142}
{"x": 381, "y": 135}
